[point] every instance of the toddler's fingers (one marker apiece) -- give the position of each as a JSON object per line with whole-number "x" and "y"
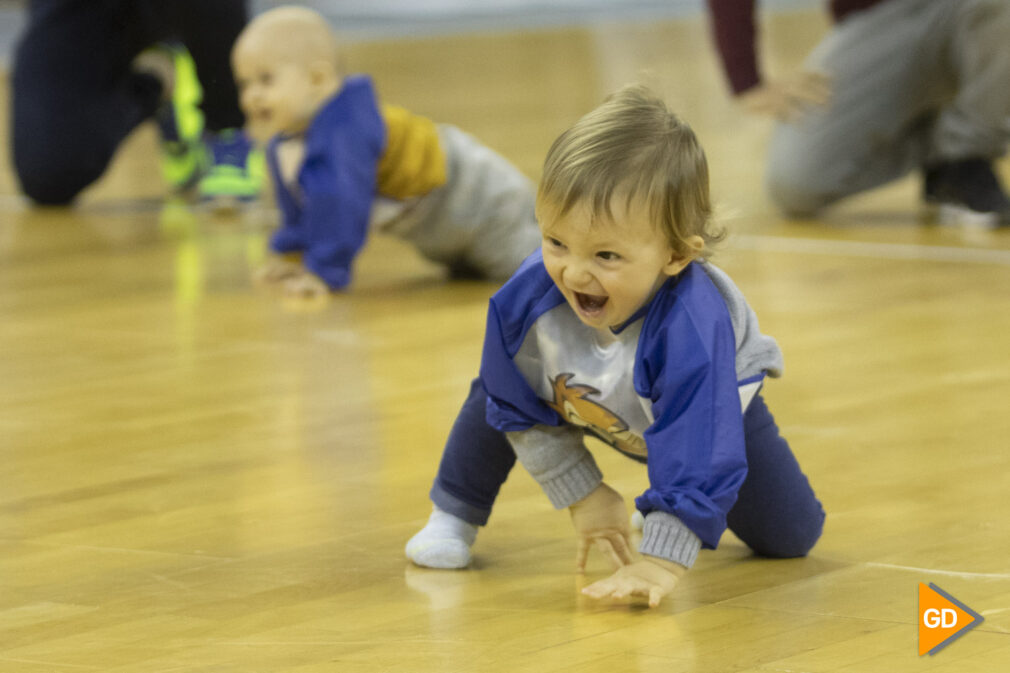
{"x": 623, "y": 549}
{"x": 655, "y": 595}
{"x": 623, "y": 590}
{"x": 581, "y": 555}
{"x": 607, "y": 549}
{"x": 263, "y": 276}
{"x": 597, "y": 589}
{"x": 304, "y": 285}
{"x": 293, "y": 286}
{"x": 273, "y": 272}
{"x": 635, "y": 586}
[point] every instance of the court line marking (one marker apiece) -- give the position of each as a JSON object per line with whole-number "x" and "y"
{"x": 947, "y": 573}
{"x": 910, "y": 251}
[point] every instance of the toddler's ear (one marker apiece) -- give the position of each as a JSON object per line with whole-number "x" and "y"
{"x": 679, "y": 262}
{"x": 323, "y": 74}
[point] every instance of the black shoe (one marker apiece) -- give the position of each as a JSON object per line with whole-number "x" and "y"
{"x": 967, "y": 191}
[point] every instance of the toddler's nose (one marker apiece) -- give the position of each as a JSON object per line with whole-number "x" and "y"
{"x": 577, "y": 277}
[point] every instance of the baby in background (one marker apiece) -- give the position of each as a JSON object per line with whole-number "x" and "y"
{"x": 342, "y": 164}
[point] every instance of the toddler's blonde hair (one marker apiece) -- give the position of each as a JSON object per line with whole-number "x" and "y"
{"x": 633, "y": 146}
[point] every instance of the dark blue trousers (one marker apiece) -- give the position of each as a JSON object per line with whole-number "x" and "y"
{"x": 776, "y": 513}
{"x": 75, "y": 97}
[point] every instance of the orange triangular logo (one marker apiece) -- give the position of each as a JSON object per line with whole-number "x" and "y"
{"x": 942, "y": 619}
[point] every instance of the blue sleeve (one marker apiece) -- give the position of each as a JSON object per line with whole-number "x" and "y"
{"x": 338, "y": 180}
{"x": 512, "y": 404}
{"x": 697, "y": 460}
{"x": 337, "y": 203}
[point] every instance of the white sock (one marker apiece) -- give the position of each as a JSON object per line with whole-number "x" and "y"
{"x": 444, "y": 542}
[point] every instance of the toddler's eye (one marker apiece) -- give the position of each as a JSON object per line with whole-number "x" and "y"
{"x": 608, "y": 256}
{"x": 554, "y": 243}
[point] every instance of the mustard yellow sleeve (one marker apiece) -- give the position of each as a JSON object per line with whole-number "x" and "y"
{"x": 413, "y": 162}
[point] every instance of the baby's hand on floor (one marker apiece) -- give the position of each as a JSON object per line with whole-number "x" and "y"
{"x": 276, "y": 270}
{"x": 601, "y": 519}
{"x": 650, "y": 577}
{"x": 305, "y": 285}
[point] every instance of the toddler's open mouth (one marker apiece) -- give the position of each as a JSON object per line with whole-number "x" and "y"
{"x": 590, "y": 304}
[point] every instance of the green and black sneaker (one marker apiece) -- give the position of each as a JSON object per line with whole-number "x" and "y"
{"x": 236, "y": 169}
{"x": 180, "y": 121}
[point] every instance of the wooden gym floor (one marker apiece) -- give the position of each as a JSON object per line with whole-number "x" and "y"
{"x": 201, "y": 477}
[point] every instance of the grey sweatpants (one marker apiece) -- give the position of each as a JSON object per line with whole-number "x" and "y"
{"x": 482, "y": 220}
{"x": 914, "y": 82}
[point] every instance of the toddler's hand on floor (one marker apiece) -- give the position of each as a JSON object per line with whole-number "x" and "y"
{"x": 602, "y": 519}
{"x": 650, "y": 577}
{"x": 305, "y": 285}
{"x": 276, "y": 270}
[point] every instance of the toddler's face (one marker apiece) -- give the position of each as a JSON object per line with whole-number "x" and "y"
{"x": 277, "y": 97}
{"x": 606, "y": 269}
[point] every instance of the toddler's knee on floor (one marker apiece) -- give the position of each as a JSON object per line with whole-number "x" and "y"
{"x": 789, "y": 543}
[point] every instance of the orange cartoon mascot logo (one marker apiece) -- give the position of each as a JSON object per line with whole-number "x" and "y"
{"x": 571, "y": 403}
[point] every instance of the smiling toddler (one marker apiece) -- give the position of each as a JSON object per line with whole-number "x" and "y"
{"x": 619, "y": 329}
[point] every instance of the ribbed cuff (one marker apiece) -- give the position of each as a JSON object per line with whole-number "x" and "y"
{"x": 574, "y": 484}
{"x": 666, "y": 536}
